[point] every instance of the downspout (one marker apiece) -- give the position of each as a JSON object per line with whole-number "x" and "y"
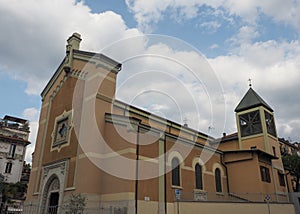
{"x": 165, "y": 172}
{"x": 137, "y": 169}
{"x": 287, "y": 181}
{"x": 275, "y": 186}
{"x": 227, "y": 179}
{"x": 287, "y": 186}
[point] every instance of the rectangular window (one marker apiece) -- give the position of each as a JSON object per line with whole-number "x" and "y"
{"x": 265, "y": 174}
{"x": 274, "y": 151}
{"x": 281, "y": 179}
{"x": 12, "y": 150}
{"x": 250, "y": 123}
{"x": 8, "y": 167}
{"x": 175, "y": 172}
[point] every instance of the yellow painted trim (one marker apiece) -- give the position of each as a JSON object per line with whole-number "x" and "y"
{"x": 264, "y": 128}
{"x": 218, "y": 165}
{"x": 144, "y": 158}
{"x": 42, "y": 121}
{"x": 118, "y": 196}
{"x": 209, "y": 173}
{"x": 172, "y": 155}
{"x": 70, "y": 189}
{"x": 45, "y": 105}
{"x": 187, "y": 168}
{"x": 107, "y": 155}
{"x": 44, "y": 133}
{"x": 198, "y": 160}
{"x": 104, "y": 97}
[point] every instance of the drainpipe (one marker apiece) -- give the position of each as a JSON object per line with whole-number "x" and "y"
{"x": 165, "y": 172}
{"x": 287, "y": 185}
{"x": 275, "y": 186}
{"x": 137, "y": 169}
{"x": 227, "y": 183}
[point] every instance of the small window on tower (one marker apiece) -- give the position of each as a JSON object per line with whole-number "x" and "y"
{"x": 270, "y": 124}
{"x": 250, "y": 123}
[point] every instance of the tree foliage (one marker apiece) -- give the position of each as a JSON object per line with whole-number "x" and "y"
{"x": 292, "y": 164}
{"x": 13, "y": 191}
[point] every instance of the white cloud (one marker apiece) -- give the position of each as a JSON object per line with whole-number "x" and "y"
{"x": 245, "y": 35}
{"x": 214, "y": 46}
{"x": 32, "y": 115}
{"x": 33, "y": 33}
{"x": 169, "y": 78}
{"x": 274, "y": 69}
{"x": 148, "y": 13}
{"x": 212, "y": 26}
{"x": 35, "y": 38}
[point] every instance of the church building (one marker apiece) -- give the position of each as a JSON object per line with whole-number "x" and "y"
{"x": 123, "y": 159}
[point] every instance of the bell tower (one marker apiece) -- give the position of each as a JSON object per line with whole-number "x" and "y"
{"x": 256, "y": 125}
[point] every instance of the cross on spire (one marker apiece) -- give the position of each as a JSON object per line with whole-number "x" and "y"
{"x": 185, "y": 120}
{"x": 250, "y": 82}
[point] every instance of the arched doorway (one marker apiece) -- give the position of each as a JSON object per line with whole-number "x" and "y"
{"x": 50, "y": 202}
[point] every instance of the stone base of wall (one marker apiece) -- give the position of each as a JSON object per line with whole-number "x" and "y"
{"x": 232, "y": 208}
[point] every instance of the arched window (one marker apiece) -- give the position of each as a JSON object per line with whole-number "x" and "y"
{"x": 198, "y": 174}
{"x": 218, "y": 180}
{"x": 175, "y": 172}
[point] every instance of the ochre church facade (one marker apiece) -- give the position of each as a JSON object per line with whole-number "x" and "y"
{"x": 126, "y": 160}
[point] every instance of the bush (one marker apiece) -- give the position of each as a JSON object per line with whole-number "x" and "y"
{"x": 76, "y": 204}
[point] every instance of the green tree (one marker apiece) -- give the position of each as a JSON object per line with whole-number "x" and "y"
{"x": 14, "y": 191}
{"x": 292, "y": 164}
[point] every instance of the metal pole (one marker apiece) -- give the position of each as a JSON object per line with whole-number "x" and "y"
{"x": 177, "y": 206}
{"x": 268, "y": 207}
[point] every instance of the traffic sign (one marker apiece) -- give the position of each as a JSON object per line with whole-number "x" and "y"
{"x": 267, "y": 197}
{"x": 177, "y": 193}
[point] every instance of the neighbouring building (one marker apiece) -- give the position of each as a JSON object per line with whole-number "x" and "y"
{"x": 14, "y": 134}
{"x": 126, "y": 160}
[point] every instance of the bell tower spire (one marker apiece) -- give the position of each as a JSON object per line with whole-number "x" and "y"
{"x": 255, "y": 123}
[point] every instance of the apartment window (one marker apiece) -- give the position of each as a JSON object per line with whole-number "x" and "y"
{"x": 265, "y": 174}
{"x": 8, "y": 167}
{"x": 175, "y": 172}
{"x": 274, "y": 150}
{"x": 12, "y": 150}
{"x": 198, "y": 174}
{"x": 218, "y": 180}
{"x": 281, "y": 179}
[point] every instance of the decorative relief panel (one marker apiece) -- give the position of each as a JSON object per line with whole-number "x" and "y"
{"x": 62, "y": 129}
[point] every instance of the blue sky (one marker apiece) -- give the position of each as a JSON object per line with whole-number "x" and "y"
{"x": 239, "y": 39}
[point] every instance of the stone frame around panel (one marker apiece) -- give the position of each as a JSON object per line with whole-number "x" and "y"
{"x": 62, "y": 121}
